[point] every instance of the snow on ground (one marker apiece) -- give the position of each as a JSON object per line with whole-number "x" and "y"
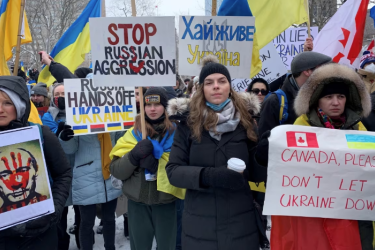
{"x": 121, "y": 242}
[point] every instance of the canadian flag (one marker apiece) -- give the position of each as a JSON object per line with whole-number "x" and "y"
{"x": 371, "y": 45}
{"x": 341, "y": 38}
{"x": 301, "y": 139}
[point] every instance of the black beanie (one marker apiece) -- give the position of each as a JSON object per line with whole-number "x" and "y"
{"x": 211, "y": 66}
{"x": 335, "y": 88}
{"x": 156, "y": 95}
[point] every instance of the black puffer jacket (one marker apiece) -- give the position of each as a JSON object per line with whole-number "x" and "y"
{"x": 369, "y": 121}
{"x": 269, "y": 114}
{"x": 57, "y": 164}
{"x": 214, "y": 218}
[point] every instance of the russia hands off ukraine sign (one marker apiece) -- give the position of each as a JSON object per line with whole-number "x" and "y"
{"x": 91, "y": 109}
{"x": 228, "y": 38}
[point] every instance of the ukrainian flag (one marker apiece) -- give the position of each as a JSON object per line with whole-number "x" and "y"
{"x": 241, "y": 8}
{"x": 271, "y": 18}
{"x": 356, "y": 141}
{"x": 22, "y": 68}
{"x": 9, "y": 18}
{"x": 114, "y": 126}
{"x": 80, "y": 129}
{"x": 71, "y": 49}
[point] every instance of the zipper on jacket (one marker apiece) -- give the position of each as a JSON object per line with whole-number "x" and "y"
{"x": 89, "y": 163}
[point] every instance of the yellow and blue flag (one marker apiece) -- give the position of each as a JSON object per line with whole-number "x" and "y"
{"x": 356, "y": 141}
{"x": 9, "y": 18}
{"x": 241, "y": 8}
{"x": 274, "y": 16}
{"x": 22, "y": 68}
{"x": 72, "y": 47}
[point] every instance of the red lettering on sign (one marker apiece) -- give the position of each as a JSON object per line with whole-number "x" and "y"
{"x": 111, "y": 29}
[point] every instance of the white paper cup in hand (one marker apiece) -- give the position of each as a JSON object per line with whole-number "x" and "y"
{"x": 236, "y": 164}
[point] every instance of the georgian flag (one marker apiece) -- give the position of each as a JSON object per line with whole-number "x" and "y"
{"x": 301, "y": 139}
{"x": 341, "y": 38}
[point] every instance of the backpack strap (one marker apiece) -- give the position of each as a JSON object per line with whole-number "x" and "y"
{"x": 283, "y": 102}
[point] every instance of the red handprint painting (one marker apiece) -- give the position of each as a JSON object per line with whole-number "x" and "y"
{"x": 23, "y": 180}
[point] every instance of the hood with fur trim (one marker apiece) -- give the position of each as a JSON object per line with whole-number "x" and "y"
{"x": 178, "y": 108}
{"x": 308, "y": 96}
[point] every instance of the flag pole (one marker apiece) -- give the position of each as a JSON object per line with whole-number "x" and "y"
{"x": 103, "y": 12}
{"x": 214, "y": 5}
{"x": 18, "y": 48}
{"x": 308, "y": 17}
{"x": 141, "y": 102}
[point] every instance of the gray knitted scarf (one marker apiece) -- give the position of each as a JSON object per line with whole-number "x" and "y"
{"x": 228, "y": 120}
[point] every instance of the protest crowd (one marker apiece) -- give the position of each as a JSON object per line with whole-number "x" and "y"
{"x": 190, "y": 161}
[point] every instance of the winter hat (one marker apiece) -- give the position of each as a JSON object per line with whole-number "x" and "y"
{"x": 82, "y": 72}
{"x": 40, "y": 89}
{"x": 195, "y": 80}
{"x": 211, "y": 66}
{"x": 18, "y": 103}
{"x": 368, "y": 57}
{"x": 53, "y": 91}
{"x": 156, "y": 95}
{"x": 337, "y": 87}
{"x": 308, "y": 60}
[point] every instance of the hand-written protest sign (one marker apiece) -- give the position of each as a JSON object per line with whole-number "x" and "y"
{"x": 25, "y": 192}
{"x": 91, "y": 110}
{"x": 133, "y": 51}
{"x": 229, "y": 38}
{"x": 290, "y": 43}
{"x": 272, "y": 68}
{"x": 318, "y": 172}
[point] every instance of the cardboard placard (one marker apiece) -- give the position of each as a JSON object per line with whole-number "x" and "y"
{"x": 133, "y": 51}
{"x": 25, "y": 192}
{"x": 319, "y": 172}
{"x": 290, "y": 43}
{"x": 272, "y": 68}
{"x": 92, "y": 110}
{"x": 229, "y": 38}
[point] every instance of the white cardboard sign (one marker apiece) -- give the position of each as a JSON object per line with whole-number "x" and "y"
{"x": 272, "y": 68}
{"x": 25, "y": 192}
{"x": 319, "y": 172}
{"x": 290, "y": 43}
{"x": 133, "y": 51}
{"x": 92, "y": 110}
{"x": 229, "y": 38}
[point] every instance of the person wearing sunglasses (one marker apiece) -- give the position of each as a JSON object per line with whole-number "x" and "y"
{"x": 260, "y": 87}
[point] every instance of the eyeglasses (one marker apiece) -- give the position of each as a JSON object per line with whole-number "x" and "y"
{"x": 262, "y": 91}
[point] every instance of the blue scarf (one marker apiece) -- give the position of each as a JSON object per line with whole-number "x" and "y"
{"x": 219, "y": 106}
{"x": 164, "y": 145}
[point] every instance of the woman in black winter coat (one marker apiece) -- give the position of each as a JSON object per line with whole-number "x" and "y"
{"x": 219, "y": 212}
{"x": 40, "y": 233}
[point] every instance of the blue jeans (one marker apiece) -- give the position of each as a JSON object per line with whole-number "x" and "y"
{"x": 88, "y": 214}
{"x": 180, "y": 204}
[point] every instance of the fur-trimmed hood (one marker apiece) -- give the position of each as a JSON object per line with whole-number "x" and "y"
{"x": 178, "y": 108}
{"x": 358, "y": 100}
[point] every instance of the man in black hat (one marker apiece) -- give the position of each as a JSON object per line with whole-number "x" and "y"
{"x": 302, "y": 67}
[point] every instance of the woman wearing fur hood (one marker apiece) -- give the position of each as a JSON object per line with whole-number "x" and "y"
{"x": 334, "y": 97}
{"x": 216, "y": 126}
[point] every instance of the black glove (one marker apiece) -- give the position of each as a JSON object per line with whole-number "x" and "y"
{"x": 222, "y": 178}
{"x": 143, "y": 149}
{"x": 149, "y": 163}
{"x": 67, "y": 133}
{"x": 261, "y": 154}
{"x": 59, "y": 128}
